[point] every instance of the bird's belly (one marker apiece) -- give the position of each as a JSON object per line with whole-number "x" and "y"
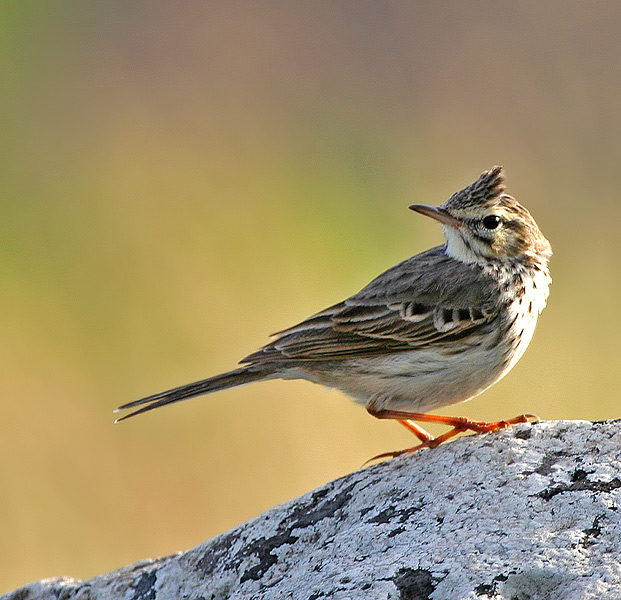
{"x": 422, "y": 380}
{"x": 427, "y": 378}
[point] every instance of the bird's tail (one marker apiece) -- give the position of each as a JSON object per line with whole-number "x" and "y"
{"x": 213, "y": 384}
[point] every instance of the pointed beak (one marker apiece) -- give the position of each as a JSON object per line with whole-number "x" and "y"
{"x": 437, "y": 213}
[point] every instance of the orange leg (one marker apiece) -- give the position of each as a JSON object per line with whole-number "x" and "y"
{"x": 458, "y": 424}
{"x": 419, "y": 432}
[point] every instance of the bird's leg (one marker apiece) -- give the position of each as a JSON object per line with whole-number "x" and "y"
{"x": 461, "y": 423}
{"x": 417, "y": 430}
{"x": 458, "y": 424}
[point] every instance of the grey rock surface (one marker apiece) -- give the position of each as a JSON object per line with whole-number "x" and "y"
{"x": 529, "y": 513}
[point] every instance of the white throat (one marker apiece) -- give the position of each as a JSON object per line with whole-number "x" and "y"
{"x": 457, "y": 248}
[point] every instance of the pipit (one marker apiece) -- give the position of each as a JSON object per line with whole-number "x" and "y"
{"x": 436, "y": 329}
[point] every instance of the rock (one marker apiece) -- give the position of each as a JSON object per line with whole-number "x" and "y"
{"x": 527, "y": 513}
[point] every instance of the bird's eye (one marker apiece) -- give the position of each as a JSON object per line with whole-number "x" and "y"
{"x": 491, "y": 221}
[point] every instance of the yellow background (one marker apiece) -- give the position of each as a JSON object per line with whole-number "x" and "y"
{"x": 181, "y": 179}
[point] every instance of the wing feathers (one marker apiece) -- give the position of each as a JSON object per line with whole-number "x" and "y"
{"x": 420, "y": 303}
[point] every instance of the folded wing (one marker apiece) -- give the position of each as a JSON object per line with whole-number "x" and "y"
{"x": 420, "y": 303}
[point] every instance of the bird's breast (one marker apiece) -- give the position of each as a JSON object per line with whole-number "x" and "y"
{"x": 524, "y": 300}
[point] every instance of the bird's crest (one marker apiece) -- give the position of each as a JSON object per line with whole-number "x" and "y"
{"x": 484, "y": 190}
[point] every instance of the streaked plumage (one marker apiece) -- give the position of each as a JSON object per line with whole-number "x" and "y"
{"x": 436, "y": 329}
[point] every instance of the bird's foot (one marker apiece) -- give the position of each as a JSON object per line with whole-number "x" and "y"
{"x": 458, "y": 424}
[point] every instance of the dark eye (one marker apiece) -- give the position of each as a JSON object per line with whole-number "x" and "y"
{"x": 491, "y": 221}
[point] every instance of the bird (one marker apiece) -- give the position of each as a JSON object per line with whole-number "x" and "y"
{"x": 436, "y": 329}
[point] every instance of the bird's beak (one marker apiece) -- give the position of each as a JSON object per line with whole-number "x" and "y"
{"x": 437, "y": 213}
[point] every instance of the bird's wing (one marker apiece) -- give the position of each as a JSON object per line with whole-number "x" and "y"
{"x": 427, "y": 300}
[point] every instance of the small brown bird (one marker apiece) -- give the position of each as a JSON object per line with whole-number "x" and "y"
{"x": 436, "y": 329}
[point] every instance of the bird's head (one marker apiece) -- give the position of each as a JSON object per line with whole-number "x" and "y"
{"x": 483, "y": 223}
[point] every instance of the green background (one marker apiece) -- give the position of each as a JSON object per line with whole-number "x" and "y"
{"x": 181, "y": 179}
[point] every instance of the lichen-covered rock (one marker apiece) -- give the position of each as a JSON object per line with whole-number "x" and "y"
{"x": 529, "y": 513}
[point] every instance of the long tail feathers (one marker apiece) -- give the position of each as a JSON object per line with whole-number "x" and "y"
{"x": 206, "y": 386}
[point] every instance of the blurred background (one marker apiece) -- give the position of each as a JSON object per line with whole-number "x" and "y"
{"x": 181, "y": 179}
